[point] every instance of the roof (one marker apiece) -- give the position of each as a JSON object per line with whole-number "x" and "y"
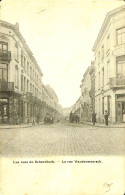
{"x": 15, "y": 28}
{"x": 105, "y": 23}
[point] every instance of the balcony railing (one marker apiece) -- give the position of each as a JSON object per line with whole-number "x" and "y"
{"x": 5, "y": 56}
{"x": 29, "y": 95}
{"x": 6, "y": 86}
{"x": 117, "y": 82}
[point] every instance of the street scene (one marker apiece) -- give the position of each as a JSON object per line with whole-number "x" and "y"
{"x": 62, "y": 139}
{"x": 34, "y": 120}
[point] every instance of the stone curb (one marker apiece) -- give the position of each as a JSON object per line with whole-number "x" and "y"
{"x": 109, "y": 126}
{"x": 18, "y": 126}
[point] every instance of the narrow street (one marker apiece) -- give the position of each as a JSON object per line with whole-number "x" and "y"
{"x": 61, "y": 139}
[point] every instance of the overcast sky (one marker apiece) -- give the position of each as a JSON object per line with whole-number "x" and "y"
{"x": 61, "y": 34}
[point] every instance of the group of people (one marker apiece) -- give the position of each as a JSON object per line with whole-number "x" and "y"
{"x": 105, "y": 116}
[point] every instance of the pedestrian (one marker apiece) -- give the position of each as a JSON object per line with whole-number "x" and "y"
{"x": 106, "y": 117}
{"x": 70, "y": 117}
{"x": 94, "y": 118}
{"x": 38, "y": 118}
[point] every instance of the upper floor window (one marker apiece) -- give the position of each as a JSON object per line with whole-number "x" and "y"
{"x": 16, "y": 77}
{"x": 120, "y": 33}
{"x": 108, "y": 42}
{"x": 102, "y": 52}
{"x": 121, "y": 68}
{"x": 103, "y": 77}
{"x": 3, "y": 47}
{"x": 24, "y": 63}
{"x": 16, "y": 52}
{"x": 98, "y": 57}
{"x": 21, "y": 59}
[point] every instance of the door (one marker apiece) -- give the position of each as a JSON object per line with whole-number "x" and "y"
{"x": 4, "y": 114}
{"x": 119, "y": 112}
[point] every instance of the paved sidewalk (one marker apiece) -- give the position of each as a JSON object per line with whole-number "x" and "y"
{"x": 121, "y": 125}
{"x": 19, "y": 126}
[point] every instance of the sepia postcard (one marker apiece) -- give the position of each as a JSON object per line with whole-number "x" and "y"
{"x": 62, "y": 97}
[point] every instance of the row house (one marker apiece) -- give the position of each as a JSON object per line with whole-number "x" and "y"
{"x": 50, "y": 103}
{"x": 86, "y": 103}
{"x": 76, "y": 108}
{"x": 109, "y": 67}
{"x": 20, "y": 78}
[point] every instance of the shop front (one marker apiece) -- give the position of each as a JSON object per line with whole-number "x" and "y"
{"x": 120, "y": 108}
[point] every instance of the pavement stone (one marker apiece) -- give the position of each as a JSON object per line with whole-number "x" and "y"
{"x": 61, "y": 139}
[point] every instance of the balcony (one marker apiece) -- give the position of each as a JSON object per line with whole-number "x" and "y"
{"x": 119, "y": 50}
{"x": 5, "y": 56}
{"x": 4, "y": 86}
{"x": 117, "y": 82}
{"x": 29, "y": 95}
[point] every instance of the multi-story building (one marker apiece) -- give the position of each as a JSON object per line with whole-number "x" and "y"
{"x": 109, "y": 65}
{"x": 85, "y": 96}
{"x": 92, "y": 91}
{"x": 20, "y": 78}
{"x": 76, "y": 108}
{"x": 51, "y": 103}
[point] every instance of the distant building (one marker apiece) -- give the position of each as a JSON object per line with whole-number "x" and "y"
{"x": 109, "y": 66}
{"x": 92, "y": 90}
{"x": 51, "y": 103}
{"x": 86, "y": 103}
{"x": 76, "y": 108}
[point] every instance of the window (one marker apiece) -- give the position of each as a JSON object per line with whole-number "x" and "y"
{"x": 16, "y": 52}
{"x": 103, "y": 77}
{"x": 24, "y": 63}
{"x": 120, "y": 35}
{"x": 99, "y": 80}
{"x": 27, "y": 85}
{"x": 98, "y": 57}
{"x": 121, "y": 68}
{"x": 22, "y": 82}
{"x": 108, "y": 42}
{"x": 108, "y": 68}
{"x": 3, "y": 47}
{"x": 3, "y": 73}
{"x": 16, "y": 77}
{"x": 103, "y": 105}
{"x": 102, "y": 53}
{"x": 22, "y": 60}
{"x": 108, "y": 104}
{"x": 27, "y": 67}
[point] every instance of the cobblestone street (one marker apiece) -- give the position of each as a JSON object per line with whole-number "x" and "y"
{"x": 61, "y": 139}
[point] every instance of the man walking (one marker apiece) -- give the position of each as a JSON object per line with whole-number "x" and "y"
{"x": 94, "y": 118}
{"x": 106, "y": 117}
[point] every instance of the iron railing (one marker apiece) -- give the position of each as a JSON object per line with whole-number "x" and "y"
{"x": 6, "y": 86}
{"x": 5, "y": 56}
{"x": 117, "y": 81}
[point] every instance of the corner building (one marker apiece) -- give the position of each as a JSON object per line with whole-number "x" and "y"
{"x": 20, "y": 78}
{"x": 109, "y": 66}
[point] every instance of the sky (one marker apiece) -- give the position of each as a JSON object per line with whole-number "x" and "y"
{"x": 61, "y": 34}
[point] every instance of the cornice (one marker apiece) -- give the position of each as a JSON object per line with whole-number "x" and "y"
{"x": 109, "y": 15}
{"x": 15, "y": 28}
